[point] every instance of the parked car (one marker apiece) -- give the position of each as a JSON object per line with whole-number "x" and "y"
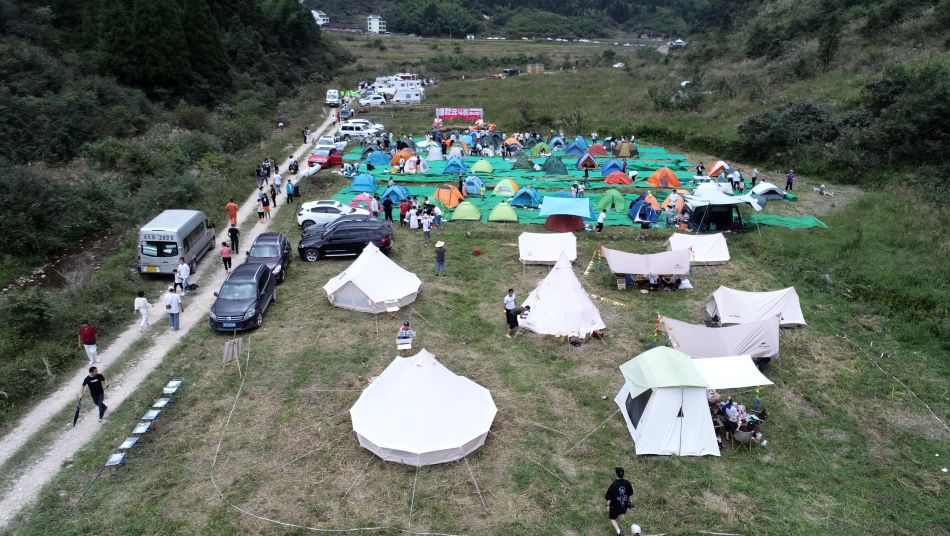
{"x": 373, "y": 100}
{"x": 347, "y": 236}
{"x": 325, "y": 212}
{"x": 352, "y": 130}
{"x": 244, "y": 297}
{"x": 326, "y": 157}
{"x": 273, "y": 251}
{"x": 366, "y": 123}
{"x": 326, "y": 141}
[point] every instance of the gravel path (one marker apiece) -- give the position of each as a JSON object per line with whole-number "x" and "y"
{"x": 209, "y": 275}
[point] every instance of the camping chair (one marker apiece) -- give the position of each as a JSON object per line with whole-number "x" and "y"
{"x": 404, "y": 345}
{"x": 392, "y": 309}
{"x": 742, "y": 438}
{"x": 114, "y": 461}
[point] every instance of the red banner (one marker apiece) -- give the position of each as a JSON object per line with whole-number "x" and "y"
{"x": 460, "y": 113}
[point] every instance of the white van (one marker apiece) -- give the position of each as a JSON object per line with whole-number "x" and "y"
{"x": 173, "y": 234}
{"x": 409, "y": 96}
{"x": 333, "y": 98}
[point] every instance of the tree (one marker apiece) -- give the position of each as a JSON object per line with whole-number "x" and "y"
{"x": 159, "y": 50}
{"x": 206, "y": 51}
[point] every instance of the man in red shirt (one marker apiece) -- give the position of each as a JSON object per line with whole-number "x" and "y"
{"x": 87, "y": 341}
{"x": 403, "y": 209}
{"x": 232, "y": 209}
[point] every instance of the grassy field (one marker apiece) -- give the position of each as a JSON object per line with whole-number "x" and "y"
{"x": 851, "y": 451}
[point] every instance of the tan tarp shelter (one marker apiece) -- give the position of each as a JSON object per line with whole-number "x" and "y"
{"x": 741, "y": 307}
{"x": 546, "y": 248}
{"x": 658, "y": 264}
{"x": 756, "y": 339}
{"x": 706, "y": 249}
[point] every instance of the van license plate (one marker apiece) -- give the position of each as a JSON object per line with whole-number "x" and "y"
{"x": 229, "y": 324}
{"x": 151, "y": 268}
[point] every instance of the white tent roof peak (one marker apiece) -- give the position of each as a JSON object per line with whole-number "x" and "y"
{"x": 560, "y": 305}
{"x": 741, "y": 307}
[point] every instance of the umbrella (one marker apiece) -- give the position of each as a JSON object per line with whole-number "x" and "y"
{"x": 76, "y": 416}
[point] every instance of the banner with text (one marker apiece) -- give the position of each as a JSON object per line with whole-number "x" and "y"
{"x": 460, "y": 113}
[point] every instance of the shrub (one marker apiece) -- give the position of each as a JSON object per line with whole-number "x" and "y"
{"x": 785, "y": 127}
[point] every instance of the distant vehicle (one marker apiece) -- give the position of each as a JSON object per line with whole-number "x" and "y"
{"x": 351, "y": 130}
{"x": 326, "y": 157}
{"x": 409, "y": 96}
{"x": 244, "y": 297}
{"x": 173, "y": 234}
{"x": 333, "y": 98}
{"x": 273, "y": 251}
{"x": 347, "y": 236}
{"x": 366, "y": 123}
{"x": 325, "y": 212}
{"x": 619, "y": 65}
{"x": 373, "y": 100}
{"x": 524, "y": 39}
{"x": 496, "y": 77}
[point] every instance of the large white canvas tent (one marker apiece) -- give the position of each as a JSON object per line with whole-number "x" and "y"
{"x": 663, "y": 399}
{"x": 757, "y": 339}
{"x": 656, "y": 264}
{"x": 561, "y": 306}
{"x": 546, "y": 248}
{"x": 373, "y": 283}
{"x": 706, "y": 249}
{"x": 418, "y": 412}
{"x": 741, "y": 307}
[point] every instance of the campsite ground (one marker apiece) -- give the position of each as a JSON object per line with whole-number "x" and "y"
{"x": 851, "y": 451}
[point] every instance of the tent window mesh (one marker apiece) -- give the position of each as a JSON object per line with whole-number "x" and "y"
{"x": 635, "y": 406}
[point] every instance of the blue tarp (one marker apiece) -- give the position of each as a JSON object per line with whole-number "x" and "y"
{"x": 566, "y": 206}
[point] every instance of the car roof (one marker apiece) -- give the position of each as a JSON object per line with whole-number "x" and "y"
{"x": 245, "y": 273}
{"x": 264, "y": 238}
{"x": 322, "y": 203}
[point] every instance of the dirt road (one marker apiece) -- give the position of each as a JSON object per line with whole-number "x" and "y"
{"x": 209, "y": 275}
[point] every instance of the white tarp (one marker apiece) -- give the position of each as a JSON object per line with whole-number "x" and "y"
{"x": 707, "y": 249}
{"x": 546, "y": 248}
{"x": 713, "y": 196}
{"x": 730, "y": 372}
{"x": 373, "y": 283}
{"x": 418, "y": 412}
{"x": 561, "y": 306}
{"x": 741, "y": 307}
{"x": 757, "y": 339}
{"x": 665, "y": 263}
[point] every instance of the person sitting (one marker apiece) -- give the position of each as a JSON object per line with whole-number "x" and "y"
{"x": 713, "y": 398}
{"x": 406, "y": 332}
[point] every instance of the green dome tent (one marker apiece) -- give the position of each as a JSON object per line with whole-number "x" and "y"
{"x": 612, "y": 200}
{"x": 482, "y": 166}
{"x": 554, "y": 166}
{"x": 523, "y": 162}
{"x": 503, "y": 212}
{"x": 466, "y": 211}
{"x": 536, "y": 150}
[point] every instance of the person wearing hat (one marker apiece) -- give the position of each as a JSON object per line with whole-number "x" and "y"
{"x": 440, "y": 258}
{"x": 87, "y": 341}
{"x": 790, "y": 180}
{"x": 618, "y": 499}
{"x": 635, "y": 530}
{"x": 406, "y": 332}
{"x": 173, "y": 306}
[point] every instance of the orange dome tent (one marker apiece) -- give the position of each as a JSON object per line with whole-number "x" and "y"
{"x": 405, "y": 154}
{"x": 717, "y": 168}
{"x": 664, "y": 178}
{"x": 652, "y": 201}
{"x": 449, "y": 195}
{"x": 680, "y": 200}
{"x": 462, "y": 143}
{"x": 598, "y": 149}
{"x": 512, "y": 140}
{"x": 618, "y": 177}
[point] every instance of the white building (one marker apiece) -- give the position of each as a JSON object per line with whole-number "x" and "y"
{"x": 375, "y": 24}
{"x": 320, "y": 17}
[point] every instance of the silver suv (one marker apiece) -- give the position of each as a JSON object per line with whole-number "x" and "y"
{"x": 349, "y": 130}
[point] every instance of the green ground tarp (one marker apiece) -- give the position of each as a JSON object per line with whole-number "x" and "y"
{"x": 801, "y": 222}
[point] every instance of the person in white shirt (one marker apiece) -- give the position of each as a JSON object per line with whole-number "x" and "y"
{"x": 427, "y": 230}
{"x": 185, "y": 272}
{"x": 174, "y": 307}
{"x": 600, "y": 220}
{"x": 141, "y": 306}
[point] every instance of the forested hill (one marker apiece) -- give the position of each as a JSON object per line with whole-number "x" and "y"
{"x": 78, "y": 71}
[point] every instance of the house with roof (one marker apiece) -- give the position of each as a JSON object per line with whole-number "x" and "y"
{"x": 320, "y": 17}
{"x": 375, "y": 24}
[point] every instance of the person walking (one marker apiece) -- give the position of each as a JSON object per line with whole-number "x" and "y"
{"x": 235, "y": 235}
{"x": 510, "y": 301}
{"x": 88, "y": 341}
{"x": 755, "y": 176}
{"x": 440, "y": 258}
{"x": 290, "y": 192}
{"x": 513, "y": 319}
{"x": 427, "y": 230}
{"x": 141, "y": 306}
{"x": 388, "y": 208}
{"x": 265, "y": 203}
{"x": 185, "y": 272}
{"x": 226, "y": 256}
{"x": 600, "y": 220}
{"x": 97, "y": 385}
{"x": 174, "y": 307}
{"x": 790, "y": 180}
{"x": 260, "y": 208}
{"x": 403, "y": 210}
{"x": 232, "y": 210}
{"x": 618, "y": 499}
{"x": 306, "y": 134}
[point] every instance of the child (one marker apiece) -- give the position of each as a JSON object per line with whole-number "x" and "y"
{"x": 179, "y": 281}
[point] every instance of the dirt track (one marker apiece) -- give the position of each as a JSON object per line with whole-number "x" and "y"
{"x": 209, "y": 275}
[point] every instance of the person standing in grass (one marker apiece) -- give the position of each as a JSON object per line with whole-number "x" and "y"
{"x": 755, "y": 176}
{"x": 141, "y": 306}
{"x": 618, "y": 499}
{"x": 403, "y": 210}
{"x": 440, "y": 258}
{"x": 226, "y": 256}
{"x": 97, "y": 385}
{"x": 600, "y": 220}
{"x": 510, "y": 301}
{"x": 790, "y": 180}
{"x": 427, "y": 230}
{"x": 388, "y": 208}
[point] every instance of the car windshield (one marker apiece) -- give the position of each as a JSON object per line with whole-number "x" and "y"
{"x": 159, "y": 249}
{"x": 238, "y": 291}
{"x": 266, "y": 250}
{"x": 321, "y": 152}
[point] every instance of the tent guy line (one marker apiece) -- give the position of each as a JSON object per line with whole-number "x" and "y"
{"x": 492, "y": 432}
{"x": 592, "y": 431}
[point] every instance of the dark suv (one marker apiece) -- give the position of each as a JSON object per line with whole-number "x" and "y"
{"x": 245, "y": 295}
{"x": 345, "y": 236}
{"x": 272, "y": 250}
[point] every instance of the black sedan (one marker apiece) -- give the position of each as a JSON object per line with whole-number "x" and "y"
{"x": 273, "y": 250}
{"x": 345, "y": 237}
{"x": 245, "y": 296}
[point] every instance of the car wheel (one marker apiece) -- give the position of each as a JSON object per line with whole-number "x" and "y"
{"x": 283, "y": 276}
{"x": 346, "y": 137}
{"x": 274, "y": 299}
{"x": 308, "y": 223}
{"x": 259, "y": 319}
{"x": 311, "y": 255}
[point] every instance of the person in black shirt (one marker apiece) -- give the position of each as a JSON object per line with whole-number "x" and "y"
{"x": 618, "y": 498}
{"x": 97, "y": 384}
{"x": 235, "y": 236}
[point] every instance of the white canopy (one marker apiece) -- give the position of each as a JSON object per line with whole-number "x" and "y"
{"x": 709, "y": 196}
{"x": 665, "y": 263}
{"x": 561, "y": 306}
{"x": 546, "y": 248}
{"x": 373, "y": 283}
{"x": 757, "y": 339}
{"x": 706, "y": 249}
{"x": 740, "y": 307}
{"x": 418, "y": 412}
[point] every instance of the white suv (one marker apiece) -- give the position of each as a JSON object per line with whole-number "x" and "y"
{"x": 349, "y": 130}
{"x": 324, "y": 212}
{"x": 366, "y": 122}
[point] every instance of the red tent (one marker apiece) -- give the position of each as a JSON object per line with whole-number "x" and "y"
{"x": 563, "y": 223}
{"x": 618, "y": 177}
{"x": 598, "y": 149}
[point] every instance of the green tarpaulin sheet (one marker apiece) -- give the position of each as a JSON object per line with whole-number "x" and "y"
{"x": 801, "y": 222}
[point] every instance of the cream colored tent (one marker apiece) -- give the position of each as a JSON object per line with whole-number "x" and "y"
{"x": 706, "y": 249}
{"x": 655, "y": 264}
{"x": 372, "y": 284}
{"x": 561, "y": 306}
{"x": 739, "y": 307}
{"x": 418, "y": 412}
{"x": 546, "y": 248}
{"x": 663, "y": 399}
{"x": 757, "y": 339}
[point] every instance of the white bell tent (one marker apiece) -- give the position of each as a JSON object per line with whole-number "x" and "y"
{"x": 546, "y": 248}
{"x": 560, "y": 305}
{"x": 373, "y": 283}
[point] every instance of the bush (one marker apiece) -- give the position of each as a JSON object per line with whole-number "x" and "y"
{"x": 786, "y": 127}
